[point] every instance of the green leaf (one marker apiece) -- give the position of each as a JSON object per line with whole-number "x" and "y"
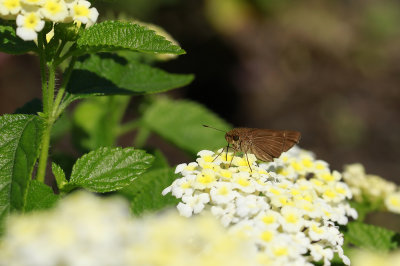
{"x": 40, "y": 196}
{"x": 117, "y": 35}
{"x": 10, "y": 43}
{"x": 97, "y": 120}
{"x": 370, "y": 236}
{"x": 145, "y": 192}
{"x": 109, "y": 169}
{"x": 59, "y": 174}
{"x": 20, "y": 137}
{"x": 107, "y": 74}
{"x": 180, "y": 122}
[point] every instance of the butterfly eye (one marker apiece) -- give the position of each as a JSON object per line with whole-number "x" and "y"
{"x": 236, "y": 138}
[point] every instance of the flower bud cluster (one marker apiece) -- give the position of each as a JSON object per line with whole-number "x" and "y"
{"x": 30, "y": 15}
{"x": 372, "y": 188}
{"x": 290, "y": 208}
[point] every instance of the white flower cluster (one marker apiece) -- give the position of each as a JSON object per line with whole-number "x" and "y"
{"x": 289, "y": 207}
{"x": 30, "y": 15}
{"x": 87, "y": 230}
{"x": 372, "y": 188}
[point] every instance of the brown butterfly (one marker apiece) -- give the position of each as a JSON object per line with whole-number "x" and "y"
{"x": 265, "y": 144}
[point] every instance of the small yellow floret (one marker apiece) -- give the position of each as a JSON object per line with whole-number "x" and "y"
{"x": 11, "y": 4}
{"x": 330, "y": 193}
{"x": 244, "y": 182}
{"x": 31, "y": 21}
{"x": 269, "y": 219}
{"x": 205, "y": 178}
{"x": 291, "y": 218}
{"x": 317, "y": 229}
{"x": 223, "y": 191}
{"x": 267, "y": 236}
{"x": 225, "y": 173}
{"x": 81, "y": 11}
{"x": 52, "y": 7}
{"x": 282, "y": 251}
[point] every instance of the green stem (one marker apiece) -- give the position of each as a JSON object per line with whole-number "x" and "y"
{"x": 48, "y": 97}
{"x": 61, "y": 92}
{"x": 44, "y": 153}
{"x": 42, "y": 60}
{"x": 141, "y": 137}
{"x": 51, "y": 87}
{"x": 50, "y": 105}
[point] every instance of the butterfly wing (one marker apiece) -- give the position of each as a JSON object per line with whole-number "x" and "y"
{"x": 267, "y": 144}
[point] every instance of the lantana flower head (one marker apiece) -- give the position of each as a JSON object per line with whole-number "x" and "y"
{"x": 30, "y": 15}
{"x": 290, "y": 208}
{"x": 372, "y": 188}
{"x": 103, "y": 233}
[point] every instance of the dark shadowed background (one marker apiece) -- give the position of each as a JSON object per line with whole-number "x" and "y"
{"x": 329, "y": 69}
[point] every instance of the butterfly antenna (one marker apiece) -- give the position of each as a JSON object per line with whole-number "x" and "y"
{"x": 214, "y": 128}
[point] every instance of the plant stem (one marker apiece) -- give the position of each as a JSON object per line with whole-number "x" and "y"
{"x": 48, "y": 98}
{"x": 141, "y": 137}
{"x": 50, "y": 88}
{"x": 44, "y": 153}
{"x": 42, "y": 60}
{"x": 61, "y": 92}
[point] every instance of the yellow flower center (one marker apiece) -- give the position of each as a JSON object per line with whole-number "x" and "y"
{"x": 320, "y": 166}
{"x": 81, "y": 10}
{"x": 317, "y": 229}
{"x": 205, "y": 178}
{"x": 317, "y": 182}
{"x": 294, "y": 192}
{"x": 291, "y": 218}
{"x": 244, "y": 182}
{"x": 340, "y": 190}
{"x": 327, "y": 177}
{"x": 307, "y": 162}
{"x": 297, "y": 166}
{"x": 242, "y": 162}
{"x": 53, "y": 7}
{"x": 285, "y": 201}
{"x": 283, "y": 172}
{"x": 267, "y": 236}
{"x": 395, "y": 201}
{"x": 282, "y": 251}
{"x": 190, "y": 168}
{"x": 223, "y": 191}
{"x": 208, "y": 158}
{"x": 31, "y": 21}
{"x": 226, "y": 173}
{"x": 268, "y": 219}
{"x": 11, "y": 4}
{"x": 275, "y": 191}
{"x": 330, "y": 193}
{"x": 185, "y": 185}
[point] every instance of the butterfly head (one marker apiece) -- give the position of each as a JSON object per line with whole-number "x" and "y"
{"x": 233, "y": 138}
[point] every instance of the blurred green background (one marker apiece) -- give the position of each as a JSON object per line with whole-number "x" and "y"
{"x": 329, "y": 69}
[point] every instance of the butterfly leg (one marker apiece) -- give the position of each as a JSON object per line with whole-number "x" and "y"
{"x": 222, "y": 152}
{"x": 247, "y": 158}
{"x": 234, "y": 153}
{"x": 218, "y": 155}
